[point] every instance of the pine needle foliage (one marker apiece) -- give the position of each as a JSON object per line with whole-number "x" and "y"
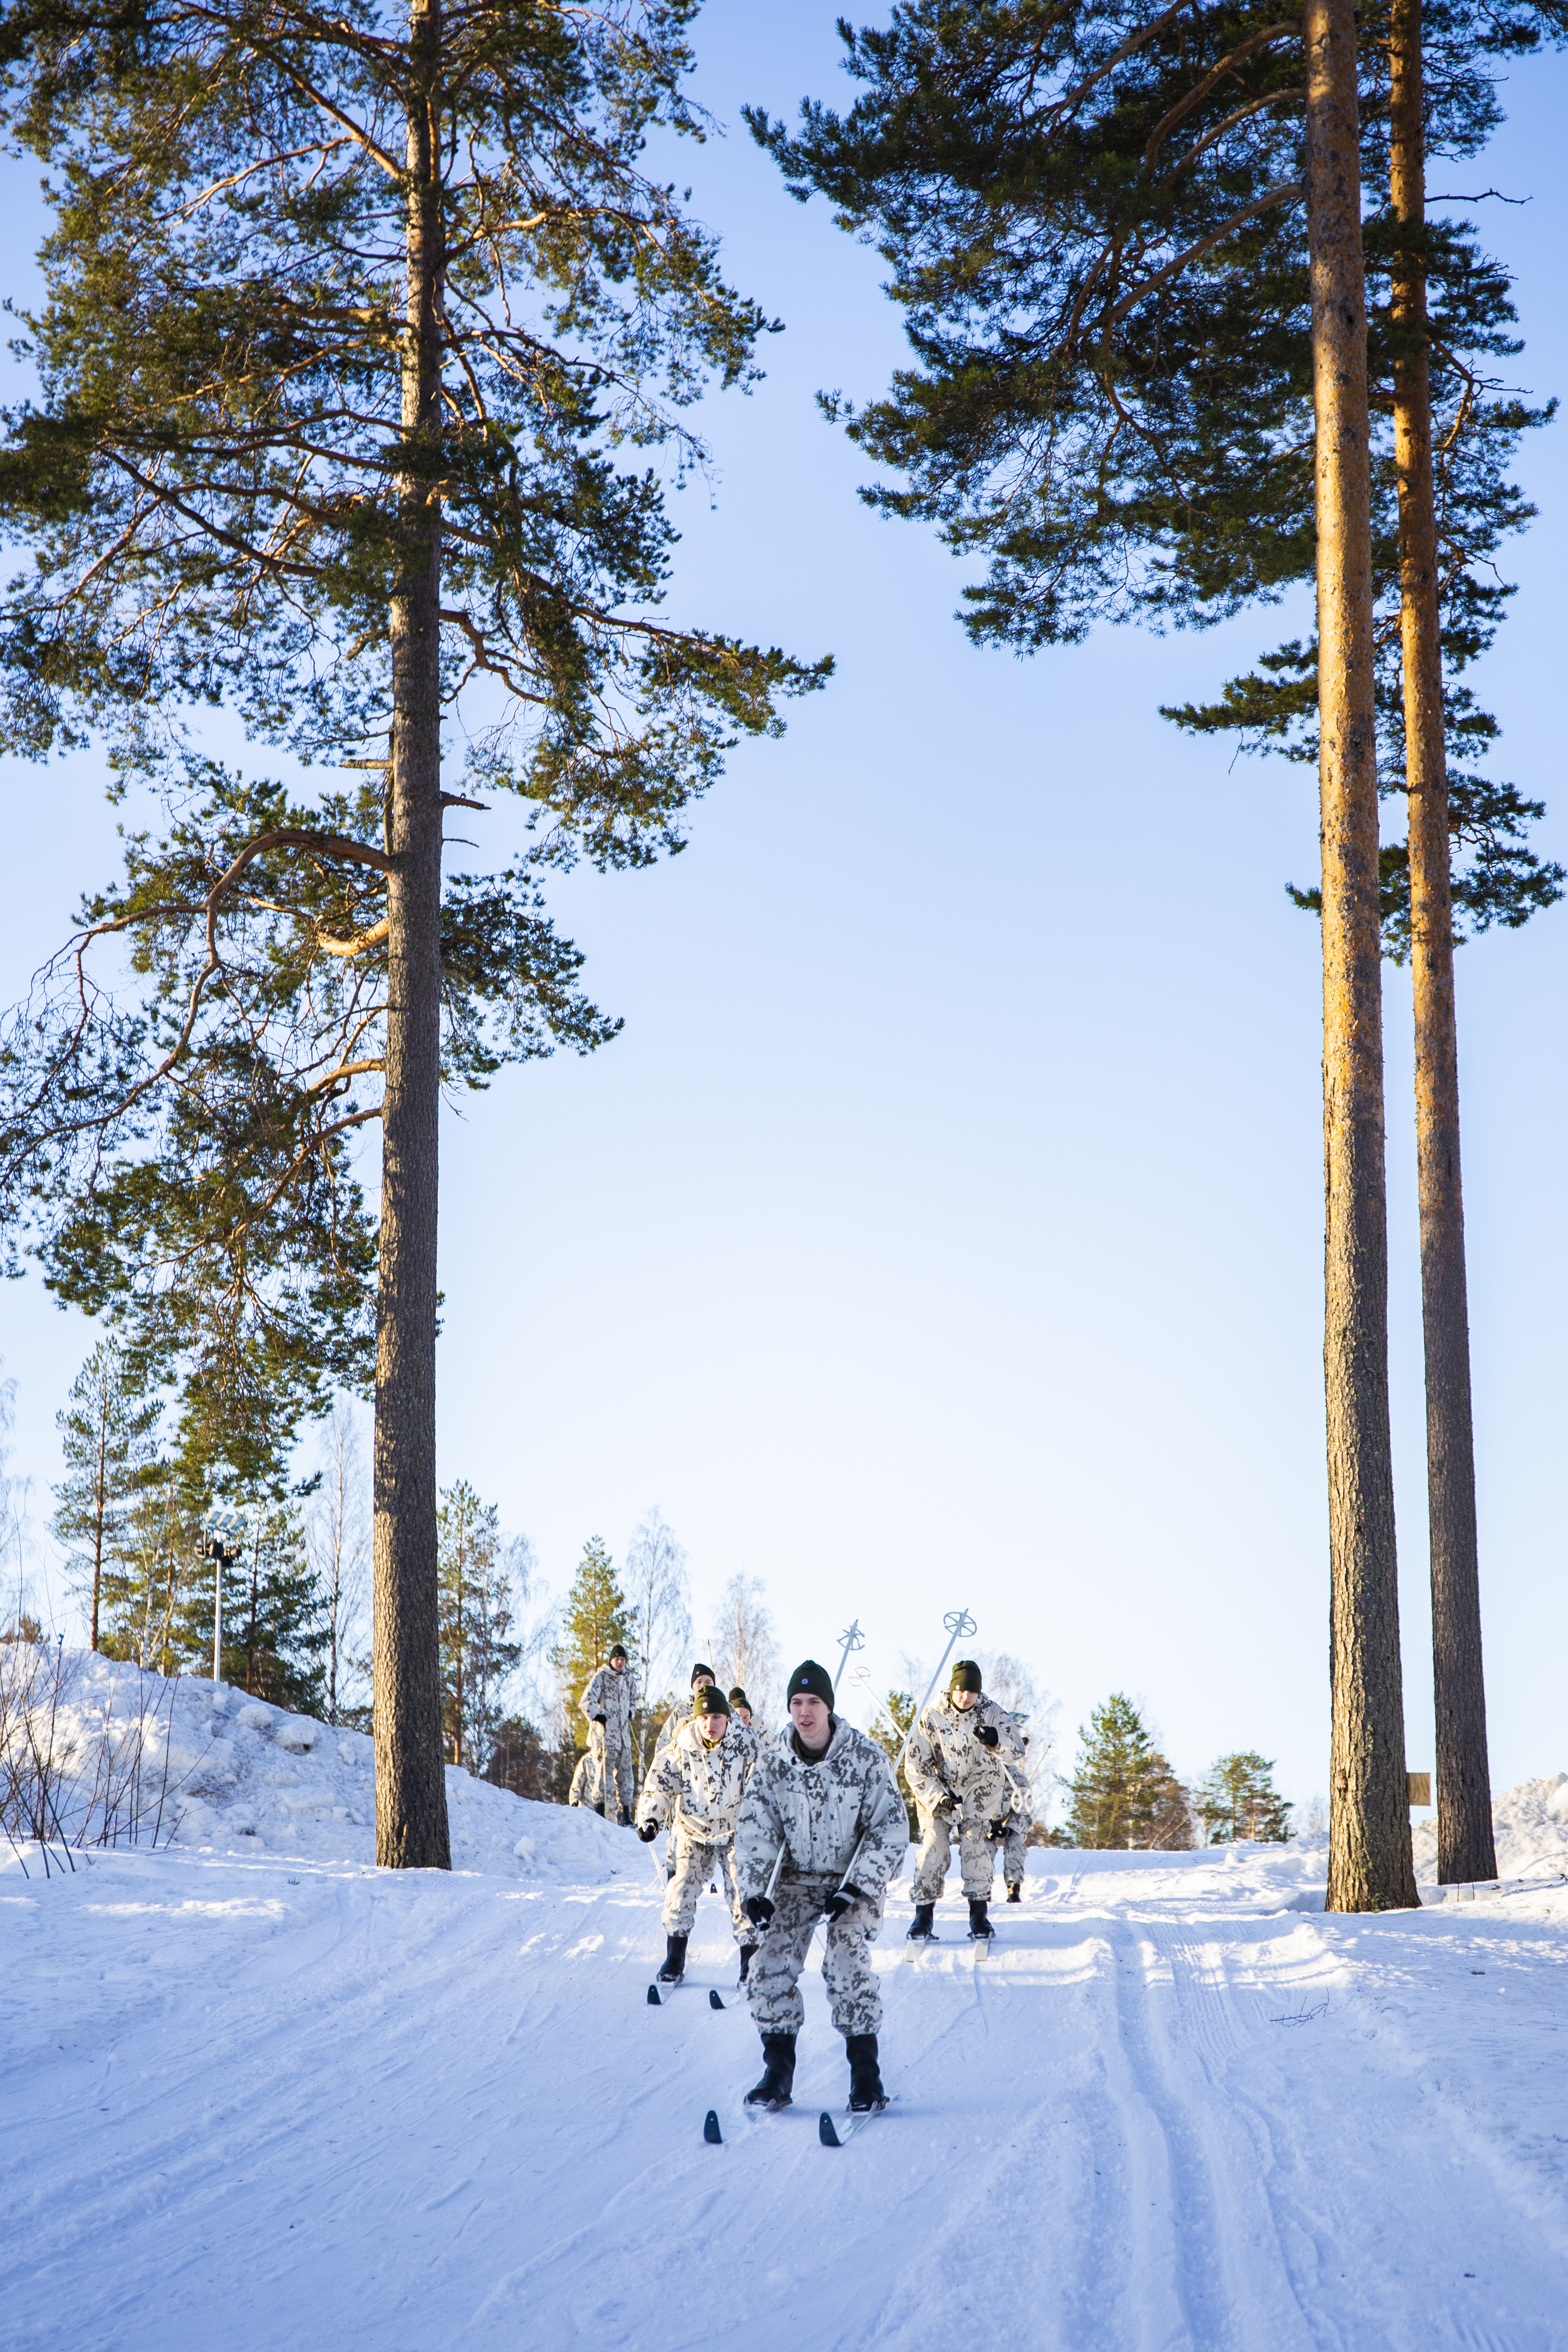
{"x": 596, "y": 1615}
{"x": 364, "y": 365}
{"x": 476, "y": 1605}
{"x": 1123, "y": 1793}
{"x": 1094, "y": 218}
{"x": 108, "y": 1444}
{"x": 1237, "y": 1799}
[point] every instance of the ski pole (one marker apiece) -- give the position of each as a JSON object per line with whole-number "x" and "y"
{"x": 850, "y": 1639}
{"x": 960, "y": 1625}
{"x": 853, "y": 1860}
{"x": 778, "y": 1865}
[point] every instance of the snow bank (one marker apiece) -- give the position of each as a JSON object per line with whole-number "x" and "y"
{"x": 1531, "y": 1826}
{"x": 202, "y": 1766}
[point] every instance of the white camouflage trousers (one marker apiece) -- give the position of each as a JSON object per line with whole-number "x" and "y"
{"x": 773, "y": 1988}
{"x": 1014, "y": 1847}
{"x": 609, "y": 1781}
{"x": 936, "y": 1844}
{"x": 695, "y": 1865}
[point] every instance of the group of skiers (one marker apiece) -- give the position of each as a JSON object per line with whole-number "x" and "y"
{"x": 809, "y": 1825}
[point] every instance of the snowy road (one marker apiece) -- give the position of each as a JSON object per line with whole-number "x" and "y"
{"x": 264, "y": 2104}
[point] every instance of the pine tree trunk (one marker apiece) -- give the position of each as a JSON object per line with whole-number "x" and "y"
{"x": 410, "y": 1769}
{"x": 1465, "y": 1848}
{"x": 1369, "y": 1867}
{"x": 100, "y": 1512}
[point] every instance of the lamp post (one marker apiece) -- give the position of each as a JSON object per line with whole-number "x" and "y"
{"x": 221, "y": 1524}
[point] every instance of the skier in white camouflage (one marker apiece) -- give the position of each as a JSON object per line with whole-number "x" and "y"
{"x": 1011, "y": 1832}
{"x": 959, "y": 1766}
{"x": 697, "y": 1786}
{"x": 681, "y": 1713}
{"x": 608, "y": 1697}
{"x": 822, "y": 1831}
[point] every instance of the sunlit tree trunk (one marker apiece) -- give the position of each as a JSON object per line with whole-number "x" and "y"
{"x": 1369, "y": 1867}
{"x": 1464, "y": 1847}
{"x": 411, "y": 1830}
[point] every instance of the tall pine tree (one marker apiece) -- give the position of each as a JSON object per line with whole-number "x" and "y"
{"x": 477, "y": 1658}
{"x": 350, "y": 318}
{"x": 108, "y": 1441}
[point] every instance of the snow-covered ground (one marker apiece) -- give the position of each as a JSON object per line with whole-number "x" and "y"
{"x": 256, "y": 2095}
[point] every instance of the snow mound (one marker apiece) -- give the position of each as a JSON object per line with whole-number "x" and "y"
{"x": 1531, "y": 1826}
{"x": 142, "y": 1760}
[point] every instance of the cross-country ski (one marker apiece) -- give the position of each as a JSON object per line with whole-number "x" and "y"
{"x": 659, "y": 1992}
{"x": 834, "y": 2133}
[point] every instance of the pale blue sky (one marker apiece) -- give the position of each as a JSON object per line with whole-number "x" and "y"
{"x": 946, "y": 1225}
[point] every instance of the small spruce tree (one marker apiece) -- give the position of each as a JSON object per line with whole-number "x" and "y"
{"x": 1123, "y": 1782}
{"x": 475, "y": 1615}
{"x": 890, "y": 1731}
{"x": 1238, "y": 1800}
{"x": 596, "y": 1616}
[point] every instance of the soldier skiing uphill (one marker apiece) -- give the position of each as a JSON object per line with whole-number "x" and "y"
{"x": 958, "y": 1765}
{"x": 697, "y": 1785}
{"x": 821, "y": 1812}
{"x": 608, "y": 1698}
{"x": 1016, "y": 1823}
{"x": 681, "y": 1713}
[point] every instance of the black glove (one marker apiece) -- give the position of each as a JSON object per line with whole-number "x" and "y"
{"x": 648, "y": 1832}
{"x": 605, "y": 1720}
{"x": 757, "y": 1910}
{"x": 986, "y": 1734}
{"x": 844, "y": 1900}
{"x": 997, "y": 1831}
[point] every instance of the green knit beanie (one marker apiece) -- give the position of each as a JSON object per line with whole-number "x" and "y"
{"x": 709, "y": 1700}
{"x": 812, "y": 1679}
{"x": 965, "y": 1676}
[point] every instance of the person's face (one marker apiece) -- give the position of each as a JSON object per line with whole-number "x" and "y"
{"x": 714, "y": 1727}
{"x": 703, "y": 1682}
{"x": 745, "y": 1715}
{"x": 620, "y": 1664}
{"x": 810, "y": 1718}
{"x": 963, "y": 1700}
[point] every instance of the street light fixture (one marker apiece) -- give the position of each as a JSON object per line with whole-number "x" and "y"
{"x": 221, "y": 1531}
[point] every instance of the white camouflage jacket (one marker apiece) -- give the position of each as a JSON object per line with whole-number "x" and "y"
{"x": 946, "y": 1763}
{"x": 821, "y": 1813}
{"x": 675, "y": 1723}
{"x": 613, "y": 1696}
{"x": 699, "y": 1786}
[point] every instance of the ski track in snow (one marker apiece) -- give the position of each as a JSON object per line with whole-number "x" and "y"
{"x": 258, "y": 2101}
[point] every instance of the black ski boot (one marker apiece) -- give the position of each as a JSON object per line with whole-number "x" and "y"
{"x": 778, "y": 2073}
{"x": 922, "y": 1923}
{"x": 599, "y": 1809}
{"x": 866, "y": 2091}
{"x": 1014, "y": 1892}
{"x": 747, "y": 1951}
{"x": 674, "y": 1966}
{"x": 623, "y": 1822}
{"x": 980, "y": 1927}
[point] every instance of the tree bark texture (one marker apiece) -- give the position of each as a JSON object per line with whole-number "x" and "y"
{"x": 1464, "y": 1846}
{"x": 411, "y": 1830}
{"x": 1369, "y": 1867}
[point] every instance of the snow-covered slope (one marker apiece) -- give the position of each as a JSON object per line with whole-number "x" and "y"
{"x": 223, "y": 1772}
{"x": 260, "y": 2096}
